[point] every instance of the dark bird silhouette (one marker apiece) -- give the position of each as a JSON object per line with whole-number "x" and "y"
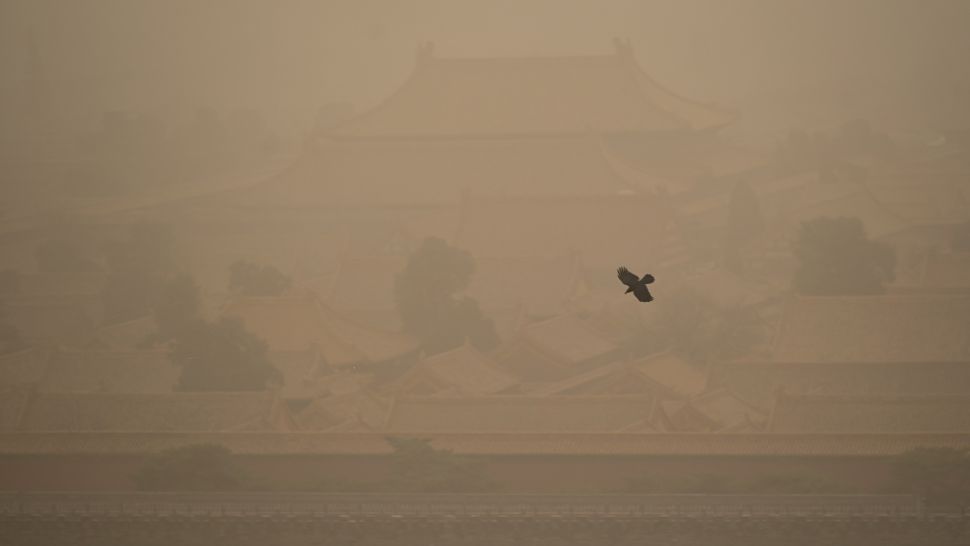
{"x": 635, "y": 284}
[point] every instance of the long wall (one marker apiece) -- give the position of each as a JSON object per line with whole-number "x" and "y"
{"x": 547, "y": 474}
{"x": 281, "y": 530}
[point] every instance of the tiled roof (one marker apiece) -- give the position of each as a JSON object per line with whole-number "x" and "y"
{"x": 674, "y": 373}
{"x": 688, "y": 168}
{"x": 399, "y": 173}
{"x": 759, "y": 381}
{"x": 679, "y": 416}
{"x": 67, "y": 323}
{"x": 664, "y": 375}
{"x": 518, "y": 414}
{"x": 197, "y": 412}
{"x": 786, "y": 202}
{"x": 923, "y": 203}
{"x": 301, "y": 373}
{"x": 535, "y": 95}
{"x": 298, "y": 324}
{"x": 365, "y": 410}
{"x": 530, "y": 364}
{"x": 874, "y": 329}
{"x": 728, "y": 410}
{"x": 570, "y": 340}
{"x": 819, "y": 413}
{"x": 461, "y": 371}
{"x": 529, "y": 444}
{"x": 598, "y": 229}
{"x": 610, "y": 379}
{"x": 126, "y": 336}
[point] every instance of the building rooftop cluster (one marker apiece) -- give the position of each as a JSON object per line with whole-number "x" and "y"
{"x": 550, "y": 172}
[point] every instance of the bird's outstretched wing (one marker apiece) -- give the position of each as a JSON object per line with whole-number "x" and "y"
{"x": 642, "y": 293}
{"x": 647, "y": 279}
{"x": 626, "y": 277}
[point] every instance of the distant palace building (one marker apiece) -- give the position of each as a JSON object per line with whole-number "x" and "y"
{"x": 532, "y": 97}
{"x": 502, "y": 127}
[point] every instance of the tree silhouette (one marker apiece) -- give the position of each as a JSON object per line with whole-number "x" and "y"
{"x": 426, "y": 296}
{"x": 198, "y": 467}
{"x": 836, "y": 258}
{"x": 221, "y": 356}
{"x": 418, "y": 467}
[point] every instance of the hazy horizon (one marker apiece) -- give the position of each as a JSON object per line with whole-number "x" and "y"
{"x": 484, "y": 272}
{"x": 288, "y": 59}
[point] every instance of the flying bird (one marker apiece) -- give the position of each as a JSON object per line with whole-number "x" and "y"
{"x": 637, "y": 285}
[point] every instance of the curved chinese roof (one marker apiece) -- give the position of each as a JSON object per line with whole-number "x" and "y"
{"x": 490, "y": 97}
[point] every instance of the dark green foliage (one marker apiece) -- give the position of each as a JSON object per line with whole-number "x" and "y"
{"x": 221, "y": 356}
{"x": 212, "y": 356}
{"x": 940, "y": 475}
{"x": 836, "y": 258}
{"x": 418, "y": 467}
{"x": 249, "y": 279}
{"x": 59, "y": 256}
{"x": 199, "y": 467}
{"x": 427, "y": 300}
